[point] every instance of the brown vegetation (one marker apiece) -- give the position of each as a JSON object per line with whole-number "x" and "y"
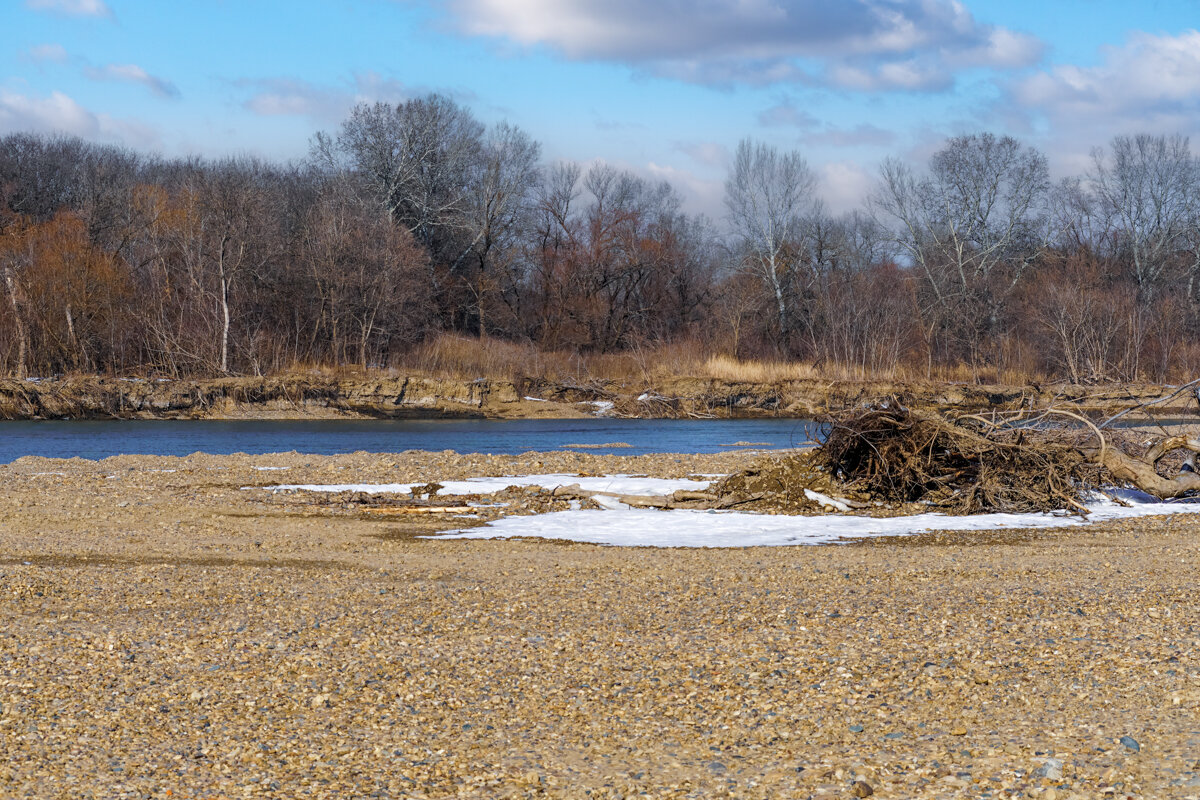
{"x": 414, "y": 238}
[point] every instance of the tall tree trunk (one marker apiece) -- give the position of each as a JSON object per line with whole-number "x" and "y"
{"x": 224, "y": 324}
{"x": 14, "y": 298}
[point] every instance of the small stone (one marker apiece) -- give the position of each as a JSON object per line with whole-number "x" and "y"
{"x": 958, "y": 731}
{"x": 1051, "y": 769}
{"x": 894, "y": 735}
{"x": 861, "y": 789}
{"x": 1131, "y": 744}
{"x": 856, "y": 728}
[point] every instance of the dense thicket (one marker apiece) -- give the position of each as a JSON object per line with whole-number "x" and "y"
{"x": 415, "y": 219}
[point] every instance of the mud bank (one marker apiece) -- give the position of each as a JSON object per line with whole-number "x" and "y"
{"x": 316, "y": 397}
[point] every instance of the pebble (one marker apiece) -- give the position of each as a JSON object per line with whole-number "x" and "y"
{"x": 1131, "y": 743}
{"x": 217, "y": 642}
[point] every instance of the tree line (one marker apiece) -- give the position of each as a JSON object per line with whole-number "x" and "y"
{"x": 414, "y": 219}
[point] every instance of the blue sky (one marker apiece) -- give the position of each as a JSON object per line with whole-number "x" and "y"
{"x": 665, "y": 88}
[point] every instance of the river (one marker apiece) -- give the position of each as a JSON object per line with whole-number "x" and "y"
{"x": 100, "y": 439}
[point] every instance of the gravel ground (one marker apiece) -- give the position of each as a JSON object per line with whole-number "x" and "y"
{"x": 165, "y": 633}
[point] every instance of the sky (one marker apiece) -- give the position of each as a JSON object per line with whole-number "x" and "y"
{"x": 665, "y": 88}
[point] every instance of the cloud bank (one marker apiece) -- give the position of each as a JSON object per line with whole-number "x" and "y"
{"x": 856, "y": 44}
{"x": 60, "y": 113}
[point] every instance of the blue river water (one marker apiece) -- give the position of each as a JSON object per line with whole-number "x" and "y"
{"x": 100, "y": 439}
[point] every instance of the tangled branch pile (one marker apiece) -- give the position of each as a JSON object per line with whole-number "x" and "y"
{"x": 965, "y": 466}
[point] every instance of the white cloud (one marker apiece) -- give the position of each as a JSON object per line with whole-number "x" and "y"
{"x": 862, "y": 135}
{"x": 72, "y": 8}
{"x": 785, "y": 113}
{"x": 843, "y": 185}
{"x": 132, "y": 73}
{"x": 60, "y": 113}
{"x": 699, "y": 196}
{"x": 1150, "y": 83}
{"x": 47, "y": 52}
{"x": 325, "y": 104}
{"x": 860, "y": 44}
{"x": 709, "y": 154}
{"x": 1149, "y": 73}
{"x": 56, "y": 113}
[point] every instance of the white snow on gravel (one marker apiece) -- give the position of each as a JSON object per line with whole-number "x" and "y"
{"x": 617, "y": 484}
{"x": 628, "y": 527}
{"x": 617, "y": 524}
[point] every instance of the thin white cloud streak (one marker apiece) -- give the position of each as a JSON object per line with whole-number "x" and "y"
{"x": 859, "y": 44}
{"x": 72, "y": 8}
{"x": 41, "y": 53}
{"x": 326, "y": 104}
{"x": 132, "y": 73}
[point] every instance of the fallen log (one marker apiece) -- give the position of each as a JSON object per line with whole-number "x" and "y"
{"x": 1143, "y": 472}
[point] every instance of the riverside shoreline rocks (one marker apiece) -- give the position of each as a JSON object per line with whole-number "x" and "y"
{"x": 165, "y": 632}
{"x": 417, "y": 397}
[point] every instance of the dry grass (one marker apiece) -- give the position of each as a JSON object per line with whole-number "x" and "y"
{"x": 461, "y": 357}
{"x": 730, "y": 369}
{"x": 457, "y": 357}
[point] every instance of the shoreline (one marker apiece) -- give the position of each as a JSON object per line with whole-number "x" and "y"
{"x": 418, "y": 397}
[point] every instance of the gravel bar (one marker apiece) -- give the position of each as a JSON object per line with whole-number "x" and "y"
{"x": 165, "y": 632}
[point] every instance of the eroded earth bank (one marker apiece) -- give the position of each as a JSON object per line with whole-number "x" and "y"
{"x": 426, "y": 397}
{"x": 165, "y": 632}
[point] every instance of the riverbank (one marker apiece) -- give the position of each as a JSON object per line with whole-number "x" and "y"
{"x": 416, "y": 397}
{"x": 169, "y": 633}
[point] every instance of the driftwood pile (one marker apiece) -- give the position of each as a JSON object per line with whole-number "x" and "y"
{"x": 965, "y": 467}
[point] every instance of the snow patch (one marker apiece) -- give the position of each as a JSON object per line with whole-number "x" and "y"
{"x": 629, "y": 527}
{"x": 601, "y": 408}
{"x": 616, "y": 484}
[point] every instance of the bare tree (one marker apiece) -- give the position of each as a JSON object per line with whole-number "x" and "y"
{"x": 415, "y": 157}
{"x": 500, "y": 202}
{"x": 767, "y": 194}
{"x": 1144, "y": 189}
{"x": 972, "y": 226}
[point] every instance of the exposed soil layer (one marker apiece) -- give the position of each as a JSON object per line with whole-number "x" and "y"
{"x": 165, "y": 632}
{"x": 426, "y": 398}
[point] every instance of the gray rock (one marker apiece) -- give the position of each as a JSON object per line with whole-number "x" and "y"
{"x": 1051, "y": 769}
{"x": 1131, "y": 744}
